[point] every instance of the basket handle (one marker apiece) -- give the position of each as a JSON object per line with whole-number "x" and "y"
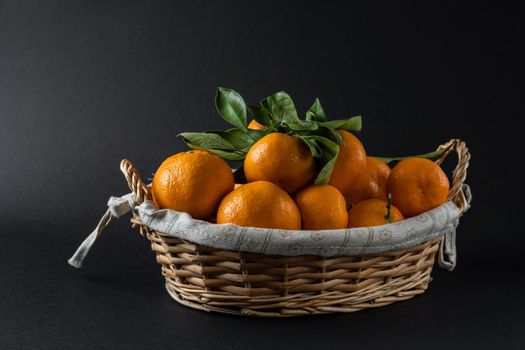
{"x": 135, "y": 183}
{"x": 459, "y": 192}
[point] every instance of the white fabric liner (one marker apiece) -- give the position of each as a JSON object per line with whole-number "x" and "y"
{"x": 440, "y": 221}
{"x": 355, "y": 241}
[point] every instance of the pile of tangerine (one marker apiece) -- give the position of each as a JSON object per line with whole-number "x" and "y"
{"x": 280, "y": 193}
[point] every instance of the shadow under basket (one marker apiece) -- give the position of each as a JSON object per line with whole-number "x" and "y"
{"x": 245, "y": 283}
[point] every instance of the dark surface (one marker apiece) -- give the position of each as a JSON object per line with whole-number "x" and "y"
{"x": 84, "y": 84}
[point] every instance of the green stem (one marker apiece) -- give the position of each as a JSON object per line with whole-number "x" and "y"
{"x": 388, "y": 216}
{"x": 392, "y": 161}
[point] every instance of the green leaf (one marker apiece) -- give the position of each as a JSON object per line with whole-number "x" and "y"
{"x": 316, "y": 112}
{"x": 256, "y": 135}
{"x": 240, "y": 140}
{"x": 280, "y": 107}
{"x": 260, "y": 115}
{"x": 315, "y": 150}
{"x": 306, "y": 132}
{"x": 302, "y": 125}
{"x": 213, "y": 142}
{"x": 433, "y": 156}
{"x": 324, "y": 131}
{"x": 232, "y": 144}
{"x": 333, "y": 134}
{"x": 231, "y": 107}
{"x": 330, "y": 150}
{"x": 329, "y": 157}
{"x": 229, "y": 155}
{"x": 206, "y": 140}
{"x": 350, "y": 124}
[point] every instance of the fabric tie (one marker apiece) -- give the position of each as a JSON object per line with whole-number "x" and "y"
{"x": 447, "y": 254}
{"x": 117, "y": 206}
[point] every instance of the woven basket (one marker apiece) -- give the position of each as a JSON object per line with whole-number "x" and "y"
{"x": 243, "y": 283}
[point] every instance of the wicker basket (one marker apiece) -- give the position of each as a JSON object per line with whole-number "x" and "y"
{"x": 242, "y": 283}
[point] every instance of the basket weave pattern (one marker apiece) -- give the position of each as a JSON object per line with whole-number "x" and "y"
{"x": 253, "y": 284}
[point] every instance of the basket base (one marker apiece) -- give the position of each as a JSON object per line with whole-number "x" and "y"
{"x": 301, "y": 305}
{"x": 260, "y": 285}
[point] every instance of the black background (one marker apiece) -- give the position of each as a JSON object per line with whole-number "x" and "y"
{"x": 84, "y": 84}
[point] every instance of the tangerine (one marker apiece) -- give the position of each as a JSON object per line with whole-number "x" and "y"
{"x": 259, "y": 204}
{"x": 372, "y": 212}
{"x": 282, "y": 159}
{"x": 322, "y": 207}
{"x": 255, "y": 125}
{"x": 417, "y": 185}
{"x": 193, "y": 182}
{"x": 371, "y": 183}
{"x": 350, "y": 163}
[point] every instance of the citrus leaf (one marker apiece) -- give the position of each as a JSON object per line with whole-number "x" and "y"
{"x": 316, "y": 112}
{"x": 326, "y": 162}
{"x": 315, "y": 150}
{"x": 302, "y": 125}
{"x": 329, "y": 157}
{"x": 350, "y": 124}
{"x": 333, "y": 134}
{"x": 240, "y": 140}
{"x": 433, "y": 156}
{"x": 280, "y": 107}
{"x": 231, "y": 107}
{"x": 306, "y": 132}
{"x": 226, "y": 154}
{"x": 229, "y": 155}
{"x": 323, "y": 131}
{"x": 206, "y": 140}
{"x": 256, "y": 135}
{"x": 260, "y": 115}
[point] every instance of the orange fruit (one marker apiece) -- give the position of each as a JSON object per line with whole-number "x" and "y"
{"x": 322, "y": 207}
{"x": 193, "y": 182}
{"x": 282, "y": 159}
{"x": 417, "y": 185}
{"x": 350, "y": 163}
{"x": 259, "y": 204}
{"x": 372, "y": 212}
{"x": 255, "y": 125}
{"x": 371, "y": 183}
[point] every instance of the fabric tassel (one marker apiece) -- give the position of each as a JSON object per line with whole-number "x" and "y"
{"x": 117, "y": 206}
